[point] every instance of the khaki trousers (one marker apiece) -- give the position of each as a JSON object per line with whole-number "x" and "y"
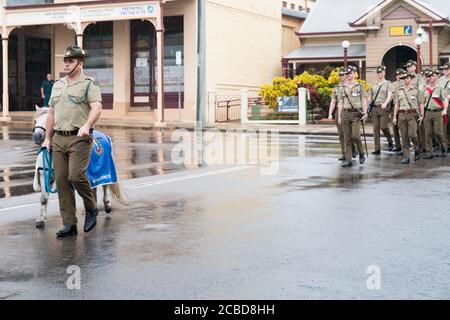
{"x": 408, "y": 128}
{"x": 351, "y": 124}
{"x": 396, "y": 131}
{"x": 341, "y": 133}
{"x": 380, "y": 120}
{"x": 447, "y": 133}
{"x": 421, "y": 134}
{"x": 71, "y": 155}
{"x": 433, "y": 128}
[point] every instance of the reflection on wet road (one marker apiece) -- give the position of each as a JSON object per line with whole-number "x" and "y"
{"x": 138, "y": 153}
{"x": 142, "y": 153}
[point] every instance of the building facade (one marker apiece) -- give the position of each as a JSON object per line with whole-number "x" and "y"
{"x": 380, "y": 32}
{"x": 292, "y": 22}
{"x": 135, "y": 49}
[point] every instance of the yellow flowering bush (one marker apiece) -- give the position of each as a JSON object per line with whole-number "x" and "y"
{"x": 281, "y": 87}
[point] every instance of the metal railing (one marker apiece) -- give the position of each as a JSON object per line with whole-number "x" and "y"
{"x": 228, "y": 110}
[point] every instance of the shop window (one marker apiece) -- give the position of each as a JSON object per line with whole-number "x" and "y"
{"x": 98, "y": 42}
{"x": 173, "y": 73}
{"x": 145, "y": 64}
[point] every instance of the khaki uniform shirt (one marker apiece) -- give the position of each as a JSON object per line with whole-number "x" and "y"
{"x": 355, "y": 95}
{"x": 335, "y": 95}
{"x": 418, "y": 82}
{"x": 383, "y": 94}
{"x": 71, "y": 102}
{"x": 409, "y": 98}
{"x": 439, "y": 93}
{"x": 445, "y": 83}
{"x": 394, "y": 87}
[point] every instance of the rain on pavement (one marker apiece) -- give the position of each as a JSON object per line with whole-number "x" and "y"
{"x": 312, "y": 230}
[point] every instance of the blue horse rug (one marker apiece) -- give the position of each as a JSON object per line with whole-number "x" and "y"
{"x": 101, "y": 170}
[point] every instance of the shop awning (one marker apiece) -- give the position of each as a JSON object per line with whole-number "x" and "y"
{"x": 327, "y": 52}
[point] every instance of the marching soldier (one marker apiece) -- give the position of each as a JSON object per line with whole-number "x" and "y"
{"x": 334, "y": 99}
{"x": 75, "y": 106}
{"x": 379, "y": 97}
{"x": 418, "y": 81}
{"x": 333, "y": 111}
{"x": 352, "y": 110}
{"x": 393, "y": 88}
{"x": 409, "y": 109}
{"x": 436, "y": 105}
{"x": 444, "y": 82}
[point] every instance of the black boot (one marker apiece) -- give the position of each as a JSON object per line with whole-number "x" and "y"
{"x": 91, "y": 220}
{"x": 362, "y": 158}
{"x": 342, "y": 158}
{"x": 376, "y": 152}
{"x": 67, "y": 231}
{"x": 388, "y": 136}
{"x": 405, "y": 161}
{"x": 347, "y": 164}
{"x": 391, "y": 147}
{"x": 444, "y": 153}
{"x": 417, "y": 156}
{"x": 353, "y": 151}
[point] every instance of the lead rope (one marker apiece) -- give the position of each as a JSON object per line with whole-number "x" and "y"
{"x": 47, "y": 169}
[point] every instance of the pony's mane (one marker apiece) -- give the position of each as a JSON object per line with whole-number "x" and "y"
{"x": 40, "y": 112}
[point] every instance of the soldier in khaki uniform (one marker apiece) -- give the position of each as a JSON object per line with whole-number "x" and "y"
{"x": 409, "y": 109}
{"x": 393, "y": 88}
{"x": 352, "y": 110}
{"x": 379, "y": 97}
{"x": 418, "y": 81}
{"x": 333, "y": 111}
{"x": 75, "y": 106}
{"x": 436, "y": 105}
{"x": 444, "y": 82}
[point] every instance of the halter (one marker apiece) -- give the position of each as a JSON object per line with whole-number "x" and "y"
{"x": 39, "y": 127}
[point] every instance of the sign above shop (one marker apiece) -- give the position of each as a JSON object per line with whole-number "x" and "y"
{"x": 401, "y": 31}
{"x": 87, "y": 13}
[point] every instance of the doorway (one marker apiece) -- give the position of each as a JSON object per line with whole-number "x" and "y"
{"x": 396, "y": 58}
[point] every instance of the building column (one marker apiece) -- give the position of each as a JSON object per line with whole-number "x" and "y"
{"x": 160, "y": 53}
{"x": 80, "y": 40}
{"x": 5, "y": 106}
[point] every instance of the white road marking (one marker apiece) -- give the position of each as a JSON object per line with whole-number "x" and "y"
{"x": 193, "y": 176}
{"x": 154, "y": 183}
{"x": 24, "y": 206}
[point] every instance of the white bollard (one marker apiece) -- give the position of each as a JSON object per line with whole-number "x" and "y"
{"x": 302, "y": 102}
{"x": 244, "y": 106}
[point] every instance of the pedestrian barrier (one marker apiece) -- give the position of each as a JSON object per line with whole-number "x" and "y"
{"x": 228, "y": 110}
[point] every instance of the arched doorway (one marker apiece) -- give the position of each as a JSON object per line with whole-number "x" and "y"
{"x": 29, "y": 62}
{"x": 397, "y": 57}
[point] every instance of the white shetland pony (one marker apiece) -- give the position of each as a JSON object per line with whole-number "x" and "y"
{"x": 111, "y": 188}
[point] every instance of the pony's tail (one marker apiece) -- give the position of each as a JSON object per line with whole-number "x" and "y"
{"x": 116, "y": 192}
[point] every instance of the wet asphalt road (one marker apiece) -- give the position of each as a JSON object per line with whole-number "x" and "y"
{"x": 310, "y": 231}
